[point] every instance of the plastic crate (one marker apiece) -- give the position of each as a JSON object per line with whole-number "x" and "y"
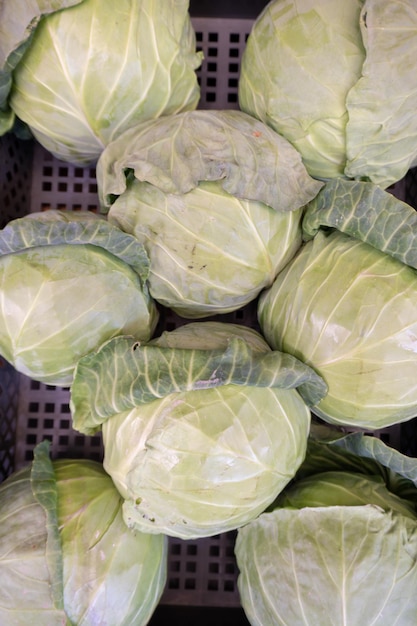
{"x": 201, "y": 573}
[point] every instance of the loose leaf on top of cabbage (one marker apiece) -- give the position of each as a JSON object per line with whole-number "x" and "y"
{"x": 366, "y": 212}
{"x": 176, "y": 152}
{"x": 123, "y": 374}
{"x": 18, "y": 21}
{"x": 44, "y": 489}
{"x": 52, "y": 227}
{"x": 381, "y": 130}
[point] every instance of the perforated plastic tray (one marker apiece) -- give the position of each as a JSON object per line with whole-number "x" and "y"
{"x": 201, "y": 572}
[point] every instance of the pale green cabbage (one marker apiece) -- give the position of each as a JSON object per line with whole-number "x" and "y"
{"x": 337, "y": 79}
{"x": 215, "y": 197}
{"x": 92, "y": 70}
{"x": 339, "y": 545}
{"x": 67, "y": 556}
{"x": 199, "y": 435}
{"x": 68, "y": 282}
{"x": 347, "y": 304}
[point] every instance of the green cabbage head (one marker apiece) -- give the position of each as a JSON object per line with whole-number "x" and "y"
{"x": 202, "y": 427}
{"x": 68, "y": 282}
{"x": 215, "y": 197}
{"x": 346, "y": 304}
{"x": 337, "y": 79}
{"x": 67, "y": 556}
{"x": 339, "y": 545}
{"x": 79, "y": 75}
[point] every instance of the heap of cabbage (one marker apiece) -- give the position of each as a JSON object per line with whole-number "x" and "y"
{"x": 78, "y": 73}
{"x": 66, "y": 555}
{"x": 337, "y": 78}
{"x": 339, "y": 545}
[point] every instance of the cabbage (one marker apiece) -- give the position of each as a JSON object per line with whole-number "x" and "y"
{"x": 337, "y": 79}
{"x": 339, "y": 545}
{"x": 204, "y": 191}
{"x": 347, "y": 304}
{"x": 79, "y": 76}
{"x": 68, "y": 282}
{"x": 202, "y": 427}
{"x": 66, "y": 555}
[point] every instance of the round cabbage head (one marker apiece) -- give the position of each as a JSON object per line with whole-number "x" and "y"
{"x": 67, "y": 556}
{"x": 68, "y": 282}
{"x": 199, "y": 435}
{"x": 79, "y": 75}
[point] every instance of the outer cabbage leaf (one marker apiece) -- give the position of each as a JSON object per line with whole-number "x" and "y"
{"x": 382, "y": 128}
{"x": 328, "y": 565}
{"x": 300, "y": 61}
{"x": 365, "y": 212}
{"x": 72, "y": 105}
{"x": 24, "y": 562}
{"x": 71, "y": 294}
{"x": 349, "y": 311}
{"x": 123, "y": 374}
{"x": 175, "y": 153}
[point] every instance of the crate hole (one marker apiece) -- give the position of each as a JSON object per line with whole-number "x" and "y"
{"x": 31, "y": 439}
{"x": 63, "y": 171}
{"x": 34, "y": 384}
{"x": 63, "y": 440}
{"x": 34, "y": 407}
{"x": 212, "y": 52}
{"x": 234, "y": 37}
{"x": 213, "y": 568}
{"x": 228, "y": 586}
{"x": 50, "y": 387}
{"x": 77, "y": 207}
{"x": 32, "y": 422}
{"x": 192, "y": 549}
{"x": 61, "y": 206}
{"x": 175, "y": 566}
{"x": 62, "y": 186}
{"x": 233, "y": 68}
{"x": 232, "y": 97}
{"x": 233, "y": 83}
{"x": 92, "y": 188}
{"x": 211, "y": 96}
{"x": 93, "y": 173}
{"x": 78, "y": 172}
{"x": 174, "y": 583}
{"x": 78, "y": 187}
{"x": 47, "y": 170}
{"x": 199, "y": 35}
{"x": 234, "y": 53}
{"x": 213, "y": 585}
{"x": 211, "y": 81}
{"x": 64, "y": 424}
{"x": 79, "y": 441}
{"x": 212, "y": 67}
{"x": 46, "y": 185}
{"x": 214, "y": 551}
{"x": 49, "y": 407}
{"x": 189, "y": 583}
{"x": 175, "y": 548}
{"x": 65, "y": 408}
{"x": 229, "y": 568}
{"x": 191, "y": 567}
{"x": 48, "y": 423}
